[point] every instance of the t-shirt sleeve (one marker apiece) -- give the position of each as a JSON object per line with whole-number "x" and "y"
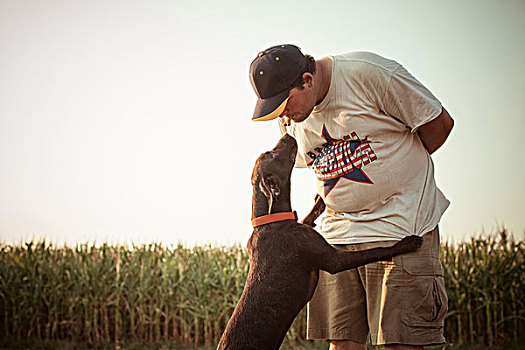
{"x": 407, "y": 100}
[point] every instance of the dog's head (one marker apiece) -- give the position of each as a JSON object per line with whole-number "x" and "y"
{"x": 273, "y": 169}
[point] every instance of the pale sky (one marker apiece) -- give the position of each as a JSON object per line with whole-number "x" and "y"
{"x": 130, "y": 121}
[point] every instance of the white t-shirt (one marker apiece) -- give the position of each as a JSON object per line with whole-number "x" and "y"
{"x": 373, "y": 172}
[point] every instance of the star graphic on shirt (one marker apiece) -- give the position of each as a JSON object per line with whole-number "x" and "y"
{"x": 335, "y": 162}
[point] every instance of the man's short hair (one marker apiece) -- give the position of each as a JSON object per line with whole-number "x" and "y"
{"x": 309, "y": 68}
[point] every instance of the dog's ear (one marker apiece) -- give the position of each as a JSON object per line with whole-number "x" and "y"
{"x": 270, "y": 186}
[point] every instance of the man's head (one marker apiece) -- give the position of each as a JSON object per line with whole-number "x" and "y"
{"x": 283, "y": 79}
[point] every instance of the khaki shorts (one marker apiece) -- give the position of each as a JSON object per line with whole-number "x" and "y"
{"x": 406, "y": 299}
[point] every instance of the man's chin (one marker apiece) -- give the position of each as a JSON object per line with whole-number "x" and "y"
{"x": 300, "y": 119}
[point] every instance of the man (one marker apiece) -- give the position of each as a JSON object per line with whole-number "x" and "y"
{"x": 367, "y": 128}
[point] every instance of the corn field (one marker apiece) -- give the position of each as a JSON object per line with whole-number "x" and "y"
{"x": 485, "y": 280}
{"x": 154, "y": 294}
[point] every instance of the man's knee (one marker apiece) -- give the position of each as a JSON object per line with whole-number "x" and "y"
{"x": 403, "y": 347}
{"x": 346, "y": 345}
{"x": 350, "y": 345}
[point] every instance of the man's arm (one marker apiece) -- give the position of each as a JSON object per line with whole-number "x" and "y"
{"x": 434, "y": 133}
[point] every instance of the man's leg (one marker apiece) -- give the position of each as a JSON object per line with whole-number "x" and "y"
{"x": 350, "y": 345}
{"x": 391, "y": 288}
{"x": 403, "y": 347}
{"x": 337, "y": 310}
{"x": 346, "y": 345}
{"x": 406, "y": 298}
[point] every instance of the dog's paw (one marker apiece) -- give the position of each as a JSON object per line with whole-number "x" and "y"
{"x": 408, "y": 244}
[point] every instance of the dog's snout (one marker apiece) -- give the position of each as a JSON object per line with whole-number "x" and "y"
{"x": 285, "y": 142}
{"x": 288, "y": 138}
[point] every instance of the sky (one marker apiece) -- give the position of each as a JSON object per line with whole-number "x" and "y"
{"x": 130, "y": 121}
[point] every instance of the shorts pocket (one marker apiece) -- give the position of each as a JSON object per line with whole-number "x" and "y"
{"x": 425, "y": 301}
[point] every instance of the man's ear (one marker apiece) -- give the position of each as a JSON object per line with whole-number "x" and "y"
{"x": 270, "y": 186}
{"x": 308, "y": 79}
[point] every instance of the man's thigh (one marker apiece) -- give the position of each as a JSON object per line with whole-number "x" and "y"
{"x": 337, "y": 309}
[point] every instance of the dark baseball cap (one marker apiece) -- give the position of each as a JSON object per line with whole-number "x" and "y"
{"x": 272, "y": 74}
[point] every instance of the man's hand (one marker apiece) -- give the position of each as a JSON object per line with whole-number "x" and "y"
{"x": 434, "y": 133}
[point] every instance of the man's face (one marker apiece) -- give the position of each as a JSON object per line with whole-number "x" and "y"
{"x": 300, "y": 104}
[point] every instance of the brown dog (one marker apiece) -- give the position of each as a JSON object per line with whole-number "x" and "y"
{"x": 285, "y": 257}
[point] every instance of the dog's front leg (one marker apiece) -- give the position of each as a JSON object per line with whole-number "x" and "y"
{"x": 339, "y": 260}
{"x": 316, "y": 211}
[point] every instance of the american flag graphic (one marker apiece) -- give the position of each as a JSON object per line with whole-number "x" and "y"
{"x": 342, "y": 159}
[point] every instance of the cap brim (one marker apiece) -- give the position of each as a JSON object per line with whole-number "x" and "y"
{"x": 270, "y": 108}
